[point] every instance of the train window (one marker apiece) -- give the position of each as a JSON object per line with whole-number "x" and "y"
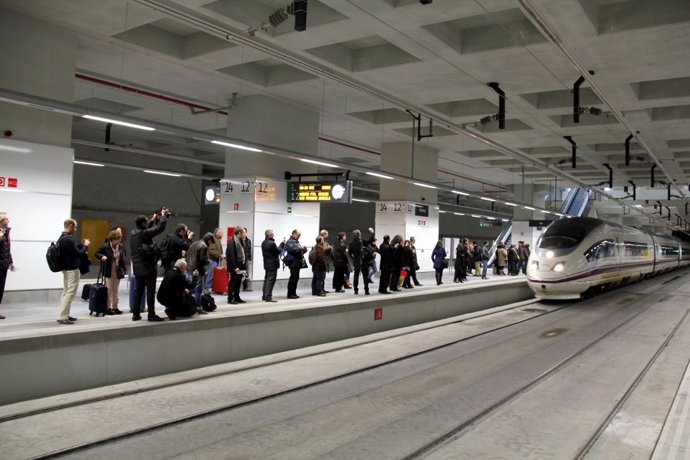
{"x": 600, "y": 250}
{"x": 635, "y": 249}
{"x": 668, "y": 250}
{"x": 564, "y": 234}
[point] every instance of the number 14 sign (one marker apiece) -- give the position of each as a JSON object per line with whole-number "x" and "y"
{"x": 394, "y": 207}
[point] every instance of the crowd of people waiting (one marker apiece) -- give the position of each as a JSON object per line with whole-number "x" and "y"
{"x": 190, "y": 266}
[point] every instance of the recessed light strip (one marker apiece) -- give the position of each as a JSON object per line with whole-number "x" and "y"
{"x": 88, "y": 163}
{"x": 236, "y": 146}
{"x": 320, "y": 163}
{"x": 118, "y": 122}
{"x": 162, "y": 173}
{"x": 419, "y": 184}
{"x": 382, "y": 176}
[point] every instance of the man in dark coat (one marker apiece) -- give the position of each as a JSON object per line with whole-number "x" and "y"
{"x": 177, "y": 246}
{"x": 144, "y": 258}
{"x": 294, "y": 259}
{"x": 354, "y": 249}
{"x": 174, "y": 292}
{"x": 386, "y": 264}
{"x": 237, "y": 265}
{"x": 270, "y": 252}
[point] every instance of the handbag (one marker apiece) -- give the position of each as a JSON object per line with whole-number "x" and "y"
{"x": 444, "y": 263}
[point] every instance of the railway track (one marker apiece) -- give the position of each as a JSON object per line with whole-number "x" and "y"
{"x": 484, "y": 331}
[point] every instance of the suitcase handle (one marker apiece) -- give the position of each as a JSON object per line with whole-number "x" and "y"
{"x": 101, "y": 272}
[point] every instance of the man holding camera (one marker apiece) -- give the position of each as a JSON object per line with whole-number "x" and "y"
{"x": 145, "y": 255}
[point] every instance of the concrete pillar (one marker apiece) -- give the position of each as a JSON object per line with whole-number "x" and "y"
{"x": 407, "y": 209}
{"x": 254, "y": 191}
{"x": 536, "y": 196}
{"x": 36, "y": 159}
{"x": 36, "y": 59}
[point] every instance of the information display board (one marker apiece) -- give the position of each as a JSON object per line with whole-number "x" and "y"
{"x": 320, "y": 192}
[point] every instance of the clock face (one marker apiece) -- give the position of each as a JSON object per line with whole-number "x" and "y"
{"x": 210, "y": 195}
{"x": 338, "y": 191}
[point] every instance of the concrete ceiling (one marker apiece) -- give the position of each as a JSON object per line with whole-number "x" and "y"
{"x": 435, "y": 58}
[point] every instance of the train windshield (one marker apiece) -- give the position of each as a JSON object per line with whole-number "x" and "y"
{"x": 567, "y": 233}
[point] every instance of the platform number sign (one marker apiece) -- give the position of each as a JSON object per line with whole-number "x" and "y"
{"x": 237, "y": 187}
{"x": 391, "y": 207}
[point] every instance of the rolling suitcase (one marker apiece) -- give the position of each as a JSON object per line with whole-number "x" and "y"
{"x": 220, "y": 280}
{"x": 85, "y": 292}
{"x": 98, "y": 295}
{"x": 132, "y": 288}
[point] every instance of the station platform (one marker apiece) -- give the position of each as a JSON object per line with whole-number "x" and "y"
{"x": 107, "y": 350}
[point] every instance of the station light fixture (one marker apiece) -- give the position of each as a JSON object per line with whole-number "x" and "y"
{"x": 88, "y": 163}
{"x": 457, "y": 192}
{"x": 361, "y": 201}
{"x": 162, "y": 173}
{"x": 118, "y": 122}
{"x": 320, "y": 163}
{"x": 382, "y": 176}
{"x": 419, "y": 184}
{"x": 508, "y": 203}
{"x": 529, "y": 208}
{"x": 486, "y": 199}
{"x": 236, "y": 146}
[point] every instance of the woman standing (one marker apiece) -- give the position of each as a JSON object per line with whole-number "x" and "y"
{"x": 5, "y": 254}
{"x": 437, "y": 256}
{"x": 112, "y": 256}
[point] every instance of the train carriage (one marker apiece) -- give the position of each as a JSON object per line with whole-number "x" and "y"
{"x": 581, "y": 256}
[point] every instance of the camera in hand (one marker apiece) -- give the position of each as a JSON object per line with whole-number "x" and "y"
{"x": 163, "y": 211}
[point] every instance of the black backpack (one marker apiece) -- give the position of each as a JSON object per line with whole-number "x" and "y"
{"x": 53, "y": 256}
{"x": 367, "y": 254}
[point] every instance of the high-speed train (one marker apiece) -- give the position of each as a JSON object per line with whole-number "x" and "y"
{"x": 581, "y": 256}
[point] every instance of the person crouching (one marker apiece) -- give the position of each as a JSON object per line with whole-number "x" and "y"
{"x": 174, "y": 292}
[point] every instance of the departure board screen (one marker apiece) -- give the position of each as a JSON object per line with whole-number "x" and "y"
{"x": 320, "y": 192}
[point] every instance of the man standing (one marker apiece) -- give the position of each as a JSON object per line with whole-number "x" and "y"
{"x": 294, "y": 259}
{"x": 144, "y": 258}
{"x": 328, "y": 250}
{"x": 70, "y": 257}
{"x": 415, "y": 265}
{"x": 5, "y": 253}
{"x": 386, "y": 265}
{"x": 318, "y": 268}
{"x": 197, "y": 262}
{"x": 248, "y": 262}
{"x": 215, "y": 256}
{"x": 237, "y": 261}
{"x": 177, "y": 245}
{"x": 271, "y": 254}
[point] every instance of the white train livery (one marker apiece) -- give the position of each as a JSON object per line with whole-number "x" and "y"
{"x": 578, "y": 257}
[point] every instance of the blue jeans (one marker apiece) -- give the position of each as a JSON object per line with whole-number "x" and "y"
{"x": 318, "y": 282}
{"x": 485, "y": 264}
{"x": 208, "y": 287}
{"x": 373, "y": 269}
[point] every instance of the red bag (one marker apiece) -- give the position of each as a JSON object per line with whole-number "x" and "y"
{"x": 220, "y": 280}
{"x": 403, "y": 276}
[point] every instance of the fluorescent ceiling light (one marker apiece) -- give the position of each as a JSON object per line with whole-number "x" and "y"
{"x": 361, "y": 201}
{"x": 382, "y": 176}
{"x": 88, "y": 163}
{"x": 559, "y": 214}
{"x": 442, "y": 212}
{"x": 236, "y": 146}
{"x": 419, "y": 184}
{"x": 509, "y": 203}
{"x": 486, "y": 199}
{"x": 460, "y": 193}
{"x": 529, "y": 208}
{"x": 505, "y": 220}
{"x": 476, "y": 216}
{"x": 320, "y": 163}
{"x": 162, "y": 173}
{"x": 638, "y": 205}
{"x": 458, "y": 214}
{"x": 9, "y": 148}
{"x": 117, "y": 122}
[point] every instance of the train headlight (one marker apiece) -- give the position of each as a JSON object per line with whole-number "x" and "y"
{"x": 559, "y": 267}
{"x": 549, "y": 254}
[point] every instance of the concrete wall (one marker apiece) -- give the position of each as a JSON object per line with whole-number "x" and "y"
{"x": 466, "y": 226}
